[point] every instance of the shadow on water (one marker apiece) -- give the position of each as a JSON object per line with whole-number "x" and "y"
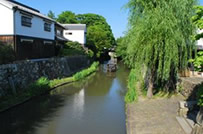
{"x": 89, "y": 104}
{"x": 24, "y": 119}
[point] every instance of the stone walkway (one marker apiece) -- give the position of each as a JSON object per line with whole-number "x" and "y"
{"x": 156, "y": 116}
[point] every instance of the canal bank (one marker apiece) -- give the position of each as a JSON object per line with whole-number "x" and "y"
{"x": 41, "y": 87}
{"x": 92, "y": 106}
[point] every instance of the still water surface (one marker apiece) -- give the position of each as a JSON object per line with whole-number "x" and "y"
{"x": 91, "y": 106}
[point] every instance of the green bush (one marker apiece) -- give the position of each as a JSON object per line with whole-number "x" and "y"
{"x": 74, "y": 45}
{"x": 131, "y": 95}
{"x": 198, "y": 62}
{"x": 70, "y": 52}
{"x": 7, "y": 54}
{"x": 90, "y": 53}
{"x": 38, "y": 87}
{"x": 86, "y": 72}
{"x": 200, "y": 95}
{"x": 71, "y": 49}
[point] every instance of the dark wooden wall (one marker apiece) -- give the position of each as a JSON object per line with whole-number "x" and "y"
{"x": 29, "y": 50}
{"x": 35, "y": 49}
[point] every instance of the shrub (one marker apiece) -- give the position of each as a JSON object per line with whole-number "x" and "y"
{"x": 7, "y": 54}
{"x": 38, "y": 87}
{"x": 131, "y": 95}
{"x": 200, "y": 95}
{"x": 198, "y": 62}
{"x": 90, "y": 53}
{"x": 74, "y": 45}
{"x": 72, "y": 48}
{"x": 86, "y": 72}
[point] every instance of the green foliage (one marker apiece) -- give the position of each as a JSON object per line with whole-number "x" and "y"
{"x": 90, "y": 53}
{"x": 74, "y": 45}
{"x": 71, "y": 49}
{"x": 99, "y": 33}
{"x": 98, "y": 39}
{"x": 91, "y": 19}
{"x": 200, "y": 96}
{"x": 121, "y": 47}
{"x": 56, "y": 82}
{"x": 7, "y": 54}
{"x": 51, "y": 15}
{"x": 198, "y": 62}
{"x": 67, "y": 17}
{"x": 38, "y": 87}
{"x": 132, "y": 95}
{"x": 198, "y": 20}
{"x": 75, "y": 48}
{"x": 159, "y": 37}
{"x": 87, "y": 72}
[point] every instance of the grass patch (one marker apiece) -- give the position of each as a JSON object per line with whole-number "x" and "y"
{"x": 42, "y": 86}
{"x": 86, "y": 72}
{"x": 163, "y": 94}
{"x": 132, "y": 95}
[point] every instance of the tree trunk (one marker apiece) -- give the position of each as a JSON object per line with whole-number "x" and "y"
{"x": 150, "y": 88}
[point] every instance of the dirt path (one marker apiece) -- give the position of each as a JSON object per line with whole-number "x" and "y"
{"x": 156, "y": 116}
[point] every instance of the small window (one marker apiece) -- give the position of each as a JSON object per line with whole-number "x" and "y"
{"x": 26, "y": 21}
{"x": 48, "y": 42}
{"x": 58, "y": 32}
{"x": 27, "y": 40}
{"x": 47, "y": 27}
{"x": 69, "y": 33}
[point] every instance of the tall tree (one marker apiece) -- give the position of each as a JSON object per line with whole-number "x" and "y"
{"x": 98, "y": 39}
{"x": 159, "y": 38}
{"x": 67, "y": 17}
{"x": 99, "y": 33}
{"x": 91, "y": 19}
{"x": 51, "y": 15}
{"x": 198, "y": 21}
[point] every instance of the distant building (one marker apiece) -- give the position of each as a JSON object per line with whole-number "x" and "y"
{"x": 75, "y": 32}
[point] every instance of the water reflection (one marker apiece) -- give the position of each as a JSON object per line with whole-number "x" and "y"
{"x": 92, "y": 106}
{"x": 78, "y": 103}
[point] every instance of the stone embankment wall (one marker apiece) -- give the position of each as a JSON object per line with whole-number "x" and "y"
{"x": 18, "y": 75}
{"x": 189, "y": 86}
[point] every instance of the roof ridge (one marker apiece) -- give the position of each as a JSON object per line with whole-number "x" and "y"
{"x": 23, "y": 5}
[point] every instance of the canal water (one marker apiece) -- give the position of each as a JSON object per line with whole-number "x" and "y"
{"x": 92, "y": 106}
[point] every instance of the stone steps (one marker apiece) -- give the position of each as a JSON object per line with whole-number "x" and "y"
{"x": 184, "y": 124}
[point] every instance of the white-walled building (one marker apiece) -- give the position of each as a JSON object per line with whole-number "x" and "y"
{"x": 75, "y": 32}
{"x": 31, "y": 33}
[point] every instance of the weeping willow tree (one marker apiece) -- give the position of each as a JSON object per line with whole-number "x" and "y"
{"x": 159, "y": 37}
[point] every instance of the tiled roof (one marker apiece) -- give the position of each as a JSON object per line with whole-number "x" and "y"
{"x": 16, "y": 5}
{"x": 75, "y": 26}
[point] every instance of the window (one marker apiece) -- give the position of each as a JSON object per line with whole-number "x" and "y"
{"x": 58, "y": 32}
{"x": 27, "y": 40}
{"x": 48, "y": 42}
{"x": 26, "y": 21}
{"x": 47, "y": 27}
{"x": 69, "y": 33}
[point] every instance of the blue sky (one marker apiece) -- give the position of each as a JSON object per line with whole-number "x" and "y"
{"x": 110, "y": 9}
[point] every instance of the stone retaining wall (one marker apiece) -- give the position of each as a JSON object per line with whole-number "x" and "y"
{"x": 189, "y": 86}
{"x": 20, "y": 74}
